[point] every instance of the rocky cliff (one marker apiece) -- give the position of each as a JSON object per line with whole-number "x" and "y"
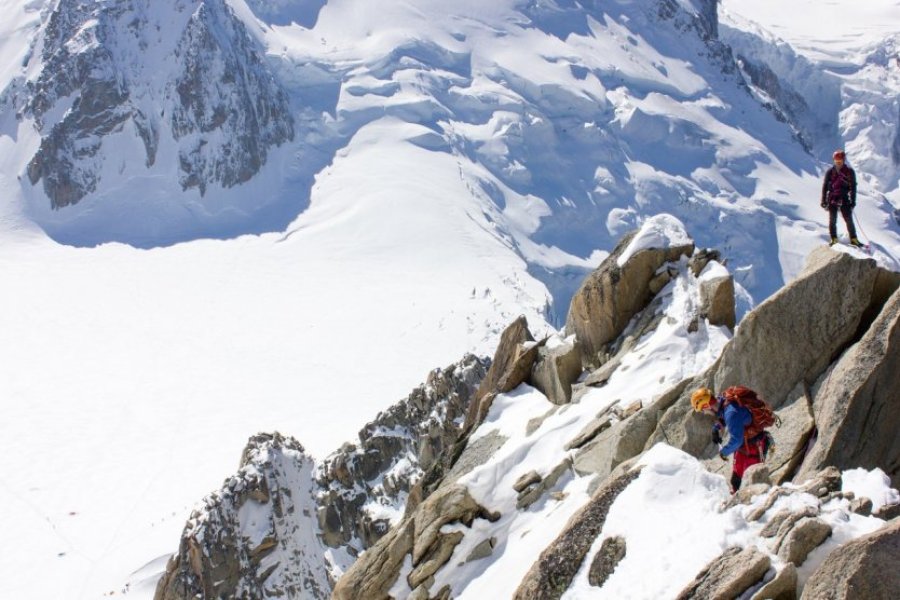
{"x": 185, "y": 78}
{"x": 286, "y": 527}
{"x": 544, "y": 450}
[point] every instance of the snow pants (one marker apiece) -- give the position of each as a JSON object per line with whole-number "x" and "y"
{"x": 847, "y": 213}
{"x": 742, "y": 462}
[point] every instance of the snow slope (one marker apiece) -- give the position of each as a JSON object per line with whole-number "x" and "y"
{"x": 454, "y": 167}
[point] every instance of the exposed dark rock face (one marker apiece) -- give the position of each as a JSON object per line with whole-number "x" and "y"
{"x": 224, "y": 86}
{"x": 260, "y": 514}
{"x": 266, "y": 532}
{"x": 412, "y": 437}
{"x": 188, "y": 69}
{"x": 610, "y": 554}
{"x": 554, "y": 571}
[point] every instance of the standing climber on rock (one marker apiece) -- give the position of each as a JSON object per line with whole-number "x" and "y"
{"x": 839, "y": 194}
{"x": 744, "y": 415}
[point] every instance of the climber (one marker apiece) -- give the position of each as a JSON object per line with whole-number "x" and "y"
{"x": 745, "y": 416}
{"x": 839, "y": 193}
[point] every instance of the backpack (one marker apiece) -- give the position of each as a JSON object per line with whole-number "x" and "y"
{"x": 760, "y": 411}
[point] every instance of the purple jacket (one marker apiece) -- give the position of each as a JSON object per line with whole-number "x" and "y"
{"x": 839, "y": 187}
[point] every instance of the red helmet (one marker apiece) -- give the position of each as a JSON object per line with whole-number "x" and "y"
{"x": 838, "y": 154}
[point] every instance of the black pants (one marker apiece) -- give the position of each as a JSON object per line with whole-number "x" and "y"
{"x": 847, "y": 213}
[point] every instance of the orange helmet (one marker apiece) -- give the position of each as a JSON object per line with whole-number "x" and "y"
{"x": 701, "y": 398}
{"x": 839, "y": 154}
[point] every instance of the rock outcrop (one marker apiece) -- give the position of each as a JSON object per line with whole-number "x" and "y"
{"x": 728, "y": 576}
{"x": 511, "y": 365}
{"x": 255, "y": 538}
{"x": 765, "y": 354}
{"x": 558, "y": 366}
{"x": 864, "y": 568}
{"x": 794, "y": 335}
{"x": 268, "y": 531}
{"x": 418, "y": 536}
{"x": 413, "y": 437}
{"x": 614, "y": 293}
{"x": 849, "y": 354}
{"x": 717, "y": 301}
{"x": 857, "y": 407}
{"x": 554, "y": 571}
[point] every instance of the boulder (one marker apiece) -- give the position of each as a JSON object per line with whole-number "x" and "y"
{"x": 611, "y": 295}
{"x": 746, "y": 493}
{"x": 863, "y": 568}
{"x": 807, "y": 535}
{"x": 728, "y": 576}
{"x": 484, "y": 549}
{"x": 438, "y": 555}
{"x": 615, "y": 445}
{"x": 511, "y": 366}
{"x": 590, "y": 431}
{"x": 600, "y": 377}
{"x": 526, "y": 480}
{"x": 793, "y": 335}
{"x": 717, "y": 301}
{"x": 701, "y": 258}
{"x": 757, "y": 474}
{"x": 857, "y": 406}
{"x": 608, "y": 557}
{"x": 450, "y": 504}
{"x": 861, "y": 506}
{"x": 792, "y": 436}
{"x": 557, "y": 367}
{"x": 552, "y": 574}
{"x": 783, "y": 586}
{"x": 532, "y": 494}
{"x": 887, "y": 512}
{"x": 376, "y": 571}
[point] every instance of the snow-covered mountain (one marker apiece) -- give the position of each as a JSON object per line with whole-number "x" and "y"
{"x": 606, "y": 491}
{"x": 224, "y": 217}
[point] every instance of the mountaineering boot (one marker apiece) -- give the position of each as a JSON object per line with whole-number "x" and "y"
{"x": 856, "y": 242}
{"x": 832, "y": 242}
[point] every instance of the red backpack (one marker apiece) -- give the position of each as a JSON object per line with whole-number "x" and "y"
{"x": 760, "y": 411}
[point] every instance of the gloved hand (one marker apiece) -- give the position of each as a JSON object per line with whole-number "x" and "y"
{"x": 852, "y": 204}
{"x": 823, "y": 204}
{"x": 716, "y": 436}
{"x": 722, "y": 456}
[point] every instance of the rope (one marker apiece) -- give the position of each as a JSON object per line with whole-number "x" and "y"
{"x": 862, "y": 231}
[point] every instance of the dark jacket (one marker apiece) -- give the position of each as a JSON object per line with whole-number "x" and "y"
{"x": 839, "y": 187}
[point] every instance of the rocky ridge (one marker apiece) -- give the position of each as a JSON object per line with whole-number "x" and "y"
{"x": 286, "y": 526}
{"x": 420, "y": 551}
